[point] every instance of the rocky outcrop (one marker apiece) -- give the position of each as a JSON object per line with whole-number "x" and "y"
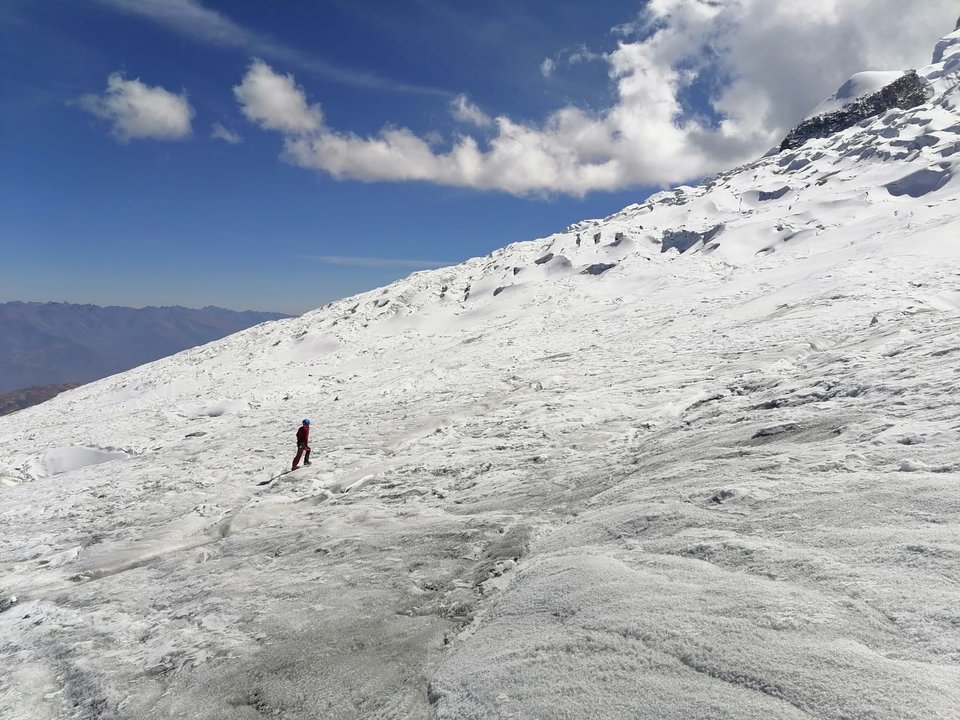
{"x": 907, "y": 92}
{"x": 683, "y": 240}
{"x": 598, "y": 268}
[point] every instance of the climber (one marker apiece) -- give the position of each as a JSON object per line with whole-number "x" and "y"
{"x": 303, "y": 445}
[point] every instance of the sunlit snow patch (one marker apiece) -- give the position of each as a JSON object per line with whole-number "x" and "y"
{"x": 66, "y": 459}
{"x": 213, "y": 409}
{"x": 949, "y": 301}
{"x": 308, "y": 347}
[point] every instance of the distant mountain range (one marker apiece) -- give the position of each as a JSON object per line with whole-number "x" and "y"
{"x": 61, "y": 343}
{"x": 19, "y": 399}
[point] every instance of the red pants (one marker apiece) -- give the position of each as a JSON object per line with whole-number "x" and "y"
{"x": 302, "y": 451}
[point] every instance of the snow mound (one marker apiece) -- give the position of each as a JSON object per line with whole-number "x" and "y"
{"x": 922, "y": 182}
{"x": 308, "y": 347}
{"x": 57, "y": 461}
{"x": 215, "y": 409}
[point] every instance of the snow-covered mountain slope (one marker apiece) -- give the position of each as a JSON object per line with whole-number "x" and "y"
{"x": 698, "y": 459}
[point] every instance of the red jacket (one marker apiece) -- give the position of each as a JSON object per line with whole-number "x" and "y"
{"x": 303, "y": 435}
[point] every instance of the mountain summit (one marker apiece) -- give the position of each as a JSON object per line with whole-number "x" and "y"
{"x": 698, "y": 459}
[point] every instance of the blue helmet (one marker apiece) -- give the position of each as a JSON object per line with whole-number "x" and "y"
{"x": 306, "y": 422}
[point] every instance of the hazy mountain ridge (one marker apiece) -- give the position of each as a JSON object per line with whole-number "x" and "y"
{"x": 27, "y": 397}
{"x": 698, "y": 459}
{"x": 56, "y": 343}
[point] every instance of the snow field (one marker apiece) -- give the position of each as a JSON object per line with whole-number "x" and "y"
{"x": 722, "y": 483}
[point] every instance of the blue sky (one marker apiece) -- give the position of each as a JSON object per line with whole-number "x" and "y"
{"x": 279, "y": 155}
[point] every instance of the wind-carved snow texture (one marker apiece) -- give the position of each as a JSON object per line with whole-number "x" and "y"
{"x": 717, "y": 484}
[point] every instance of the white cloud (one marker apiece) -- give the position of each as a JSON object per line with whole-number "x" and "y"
{"x": 627, "y": 29}
{"x": 761, "y": 66}
{"x": 275, "y": 102}
{"x": 467, "y": 112}
{"x": 188, "y": 17}
{"x": 219, "y": 132}
{"x": 137, "y": 110}
{"x": 568, "y": 57}
{"x": 582, "y": 54}
{"x": 191, "y": 19}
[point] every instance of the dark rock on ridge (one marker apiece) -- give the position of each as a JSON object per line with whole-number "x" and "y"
{"x": 683, "y": 240}
{"x": 907, "y": 92}
{"x": 598, "y": 268}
